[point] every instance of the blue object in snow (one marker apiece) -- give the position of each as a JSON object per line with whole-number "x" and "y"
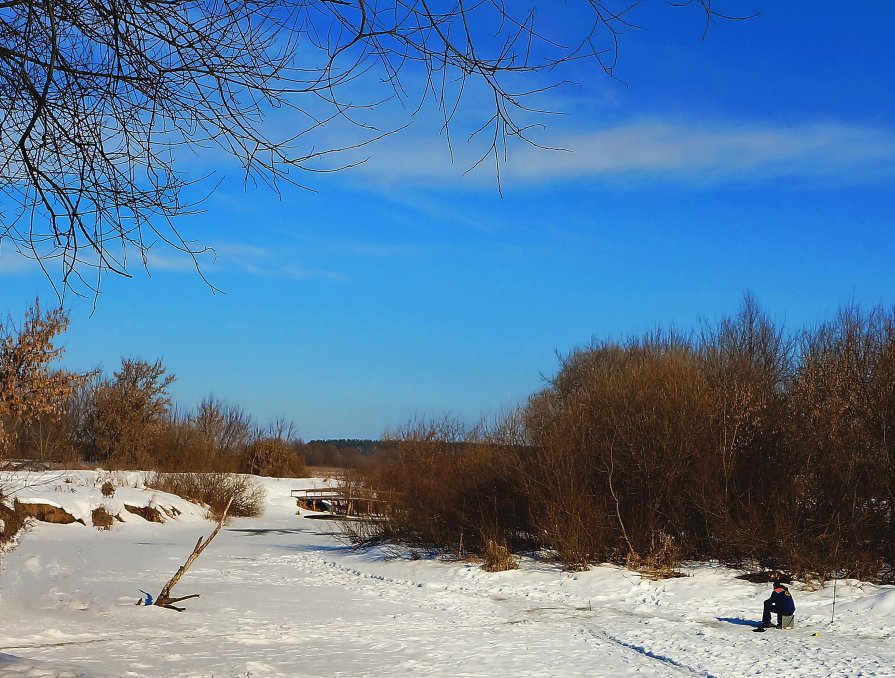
{"x": 148, "y": 597}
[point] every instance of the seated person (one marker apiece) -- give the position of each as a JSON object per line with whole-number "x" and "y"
{"x": 780, "y": 602}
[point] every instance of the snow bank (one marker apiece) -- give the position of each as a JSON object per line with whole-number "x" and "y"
{"x": 80, "y": 492}
{"x": 281, "y": 595}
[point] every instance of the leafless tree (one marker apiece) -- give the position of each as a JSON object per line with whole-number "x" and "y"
{"x": 227, "y": 427}
{"x": 100, "y": 102}
{"x": 280, "y": 428}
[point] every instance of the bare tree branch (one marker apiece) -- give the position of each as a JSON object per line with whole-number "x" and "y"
{"x": 164, "y": 598}
{"x": 101, "y": 101}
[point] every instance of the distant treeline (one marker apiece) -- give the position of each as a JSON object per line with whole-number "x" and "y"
{"x": 739, "y": 442}
{"x": 341, "y": 453}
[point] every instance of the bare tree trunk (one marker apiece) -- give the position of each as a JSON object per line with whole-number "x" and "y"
{"x": 164, "y": 598}
{"x": 632, "y": 554}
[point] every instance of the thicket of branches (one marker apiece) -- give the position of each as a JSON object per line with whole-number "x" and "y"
{"x": 104, "y": 104}
{"x": 341, "y": 453}
{"x": 739, "y": 442}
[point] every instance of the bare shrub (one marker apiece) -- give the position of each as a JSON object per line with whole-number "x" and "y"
{"x": 445, "y": 487}
{"x": 662, "y": 560}
{"x": 568, "y": 516}
{"x": 366, "y": 532}
{"x": 48, "y": 438}
{"x": 213, "y": 490}
{"x": 273, "y": 458}
{"x": 227, "y": 428}
{"x": 740, "y": 443}
{"x": 842, "y": 401}
{"x": 749, "y": 362}
{"x": 616, "y": 440}
{"x": 108, "y": 489}
{"x": 179, "y": 448}
{"x": 101, "y": 518}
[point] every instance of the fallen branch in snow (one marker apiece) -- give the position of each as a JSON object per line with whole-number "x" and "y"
{"x": 164, "y": 598}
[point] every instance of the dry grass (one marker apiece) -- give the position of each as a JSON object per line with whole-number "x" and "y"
{"x": 497, "y": 557}
{"x": 661, "y": 562}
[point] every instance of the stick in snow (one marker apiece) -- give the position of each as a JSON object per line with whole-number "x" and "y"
{"x": 164, "y": 598}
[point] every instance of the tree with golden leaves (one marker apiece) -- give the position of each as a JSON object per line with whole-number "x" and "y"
{"x": 29, "y": 387}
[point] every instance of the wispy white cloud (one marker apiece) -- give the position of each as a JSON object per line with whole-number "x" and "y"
{"x": 373, "y": 250}
{"x": 13, "y": 263}
{"x": 169, "y": 260}
{"x": 655, "y": 149}
{"x": 253, "y": 260}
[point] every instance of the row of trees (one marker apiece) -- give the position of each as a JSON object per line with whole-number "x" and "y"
{"x": 738, "y": 442}
{"x": 341, "y": 453}
{"x": 127, "y": 420}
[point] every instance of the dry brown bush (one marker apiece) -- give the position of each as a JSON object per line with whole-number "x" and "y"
{"x": 749, "y": 361}
{"x": 446, "y": 487}
{"x": 273, "y": 458}
{"x": 661, "y": 562}
{"x": 101, "y": 518}
{"x": 179, "y": 448}
{"x": 213, "y": 490}
{"x": 108, "y": 489}
{"x": 616, "y": 439}
{"x": 842, "y": 401}
{"x": 226, "y": 428}
{"x": 735, "y": 444}
{"x": 129, "y": 413}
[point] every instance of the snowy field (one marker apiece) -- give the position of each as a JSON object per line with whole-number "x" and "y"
{"x": 282, "y": 596}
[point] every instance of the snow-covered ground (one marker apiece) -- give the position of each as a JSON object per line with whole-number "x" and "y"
{"x": 281, "y": 596}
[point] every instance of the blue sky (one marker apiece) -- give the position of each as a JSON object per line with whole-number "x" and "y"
{"x": 761, "y": 159}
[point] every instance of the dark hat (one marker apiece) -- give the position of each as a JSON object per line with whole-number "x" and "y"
{"x": 776, "y": 583}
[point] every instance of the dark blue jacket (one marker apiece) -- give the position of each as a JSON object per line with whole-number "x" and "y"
{"x": 782, "y": 601}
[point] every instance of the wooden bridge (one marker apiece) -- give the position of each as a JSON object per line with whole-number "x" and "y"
{"x": 340, "y": 501}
